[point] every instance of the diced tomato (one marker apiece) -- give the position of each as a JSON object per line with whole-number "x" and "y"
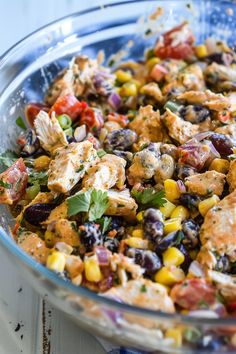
{"x": 16, "y": 228}
{"x": 194, "y": 154}
{"x": 32, "y": 109}
{"x": 224, "y": 116}
{"x": 68, "y": 104}
{"x": 92, "y": 119}
{"x": 13, "y": 182}
{"x": 158, "y": 72}
{"x": 176, "y": 43}
{"x": 193, "y": 294}
{"x": 119, "y": 118}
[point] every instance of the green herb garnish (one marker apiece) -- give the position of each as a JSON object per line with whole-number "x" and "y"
{"x": 80, "y": 168}
{"x": 104, "y": 223}
{"x": 143, "y": 288}
{"x": 40, "y": 178}
{"x": 7, "y": 159}
{"x": 21, "y": 123}
{"x": 149, "y": 198}
{"x": 93, "y": 202}
{"x": 5, "y": 184}
{"x": 101, "y": 153}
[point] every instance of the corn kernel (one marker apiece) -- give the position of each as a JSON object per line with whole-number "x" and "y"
{"x": 92, "y": 270}
{"x": 180, "y": 212}
{"x": 139, "y": 216}
{"x": 123, "y": 76}
{"x": 207, "y": 204}
{"x": 138, "y": 233}
{"x": 173, "y": 256}
{"x": 136, "y": 242}
{"x": 137, "y": 83}
{"x": 172, "y": 191}
{"x": 176, "y": 335}
{"x": 167, "y": 209}
{"x": 201, "y": 51}
{"x": 171, "y": 225}
{"x": 169, "y": 276}
{"x": 128, "y": 89}
{"x": 49, "y": 237}
{"x": 220, "y": 165}
{"x": 56, "y": 261}
{"x": 151, "y": 62}
{"x": 42, "y": 163}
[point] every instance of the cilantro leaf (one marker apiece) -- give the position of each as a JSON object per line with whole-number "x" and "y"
{"x": 104, "y": 223}
{"x": 149, "y": 198}
{"x": 94, "y": 202}
{"x": 99, "y": 204}
{"x": 21, "y": 123}
{"x": 5, "y": 184}
{"x": 79, "y": 202}
{"x": 7, "y": 159}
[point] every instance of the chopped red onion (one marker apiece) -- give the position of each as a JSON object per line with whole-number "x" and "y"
{"x": 103, "y": 255}
{"x": 214, "y": 152}
{"x": 227, "y": 58}
{"x": 199, "y": 137}
{"x": 114, "y": 100}
{"x": 181, "y": 186}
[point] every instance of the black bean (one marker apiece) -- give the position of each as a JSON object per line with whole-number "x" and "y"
{"x": 90, "y": 235}
{"x": 121, "y": 139}
{"x": 194, "y": 114}
{"x": 37, "y": 213}
{"x": 148, "y": 260}
{"x": 191, "y": 233}
{"x": 183, "y": 171}
{"x": 172, "y": 239}
{"x": 222, "y": 144}
{"x": 153, "y": 224}
{"x": 190, "y": 201}
{"x": 126, "y": 155}
{"x": 112, "y": 244}
{"x": 31, "y": 143}
{"x": 187, "y": 259}
{"x": 223, "y": 264}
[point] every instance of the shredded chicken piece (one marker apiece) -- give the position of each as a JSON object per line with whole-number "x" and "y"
{"x": 206, "y": 258}
{"x": 218, "y": 232}
{"x": 225, "y": 283}
{"x": 121, "y": 203}
{"x": 32, "y": 244}
{"x": 63, "y": 85}
{"x": 152, "y": 89}
{"x": 219, "y": 73}
{"x": 107, "y": 173}
{"x": 179, "y": 129}
{"x": 147, "y": 124}
{"x": 192, "y": 78}
{"x": 209, "y": 99}
{"x": 49, "y": 132}
{"x": 206, "y": 183}
{"x": 70, "y": 165}
{"x": 64, "y": 230}
{"x": 144, "y": 293}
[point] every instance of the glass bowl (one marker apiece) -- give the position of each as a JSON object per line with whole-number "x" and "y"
{"x": 26, "y": 71}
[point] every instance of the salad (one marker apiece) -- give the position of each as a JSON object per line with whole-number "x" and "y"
{"x": 124, "y": 178}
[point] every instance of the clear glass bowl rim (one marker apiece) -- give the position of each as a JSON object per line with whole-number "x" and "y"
{"x": 7, "y": 241}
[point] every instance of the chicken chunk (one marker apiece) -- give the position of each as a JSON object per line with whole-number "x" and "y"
{"x": 63, "y": 85}
{"x": 209, "y": 99}
{"x": 225, "y": 283}
{"x": 217, "y": 72}
{"x": 145, "y": 164}
{"x": 32, "y": 244}
{"x": 179, "y": 129}
{"x": 69, "y": 166}
{"x": 63, "y": 230}
{"x": 152, "y": 89}
{"x": 60, "y": 212}
{"x": 147, "y": 125}
{"x": 231, "y": 176}
{"x": 155, "y": 295}
{"x": 218, "y": 232}
{"x": 210, "y": 182}
{"x": 121, "y": 204}
{"x": 107, "y": 173}
{"x": 49, "y": 132}
{"x": 192, "y": 78}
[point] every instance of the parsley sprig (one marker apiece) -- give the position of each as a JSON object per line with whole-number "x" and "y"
{"x": 93, "y": 202}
